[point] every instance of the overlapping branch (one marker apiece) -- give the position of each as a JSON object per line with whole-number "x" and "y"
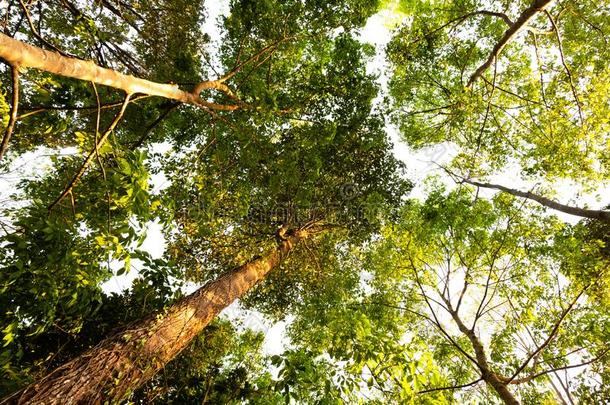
{"x": 526, "y": 16}
{"x": 92, "y": 155}
{"x": 549, "y": 338}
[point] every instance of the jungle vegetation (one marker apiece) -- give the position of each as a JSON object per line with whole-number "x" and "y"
{"x": 264, "y": 153}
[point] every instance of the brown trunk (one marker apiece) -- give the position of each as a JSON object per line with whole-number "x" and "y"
{"x": 13, "y": 116}
{"x": 120, "y": 364}
{"x": 494, "y": 382}
{"x": 579, "y": 212}
{"x": 19, "y": 54}
{"x": 491, "y": 378}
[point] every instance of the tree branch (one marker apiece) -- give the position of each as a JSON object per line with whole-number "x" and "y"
{"x": 526, "y": 16}
{"x": 106, "y": 4}
{"x": 91, "y": 155}
{"x": 565, "y": 66}
{"x": 453, "y": 387}
{"x": 37, "y": 34}
{"x": 581, "y": 212}
{"x": 153, "y": 125}
{"x": 14, "y": 108}
{"x": 549, "y": 338}
{"x": 42, "y": 108}
{"x": 552, "y": 370}
{"x": 436, "y": 321}
{"x": 18, "y": 53}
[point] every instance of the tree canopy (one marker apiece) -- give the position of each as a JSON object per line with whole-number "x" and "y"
{"x": 259, "y": 151}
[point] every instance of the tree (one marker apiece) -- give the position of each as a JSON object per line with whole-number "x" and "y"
{"x": 139, "y": 352}
{"x": 268, "y": 161}
{"x": 516, "y": 89}
{"x": 481, "y": 283}
{"x": 121, "y": 363}
{"x": 263, "y": 157}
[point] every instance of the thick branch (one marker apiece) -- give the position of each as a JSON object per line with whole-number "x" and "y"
{"x": 580, "y": 212}
{"x": 18, "y": 53}
{"x": 487, "y": 374}
{"x": 526, "y": 16}
{"x": 479, "y": 351}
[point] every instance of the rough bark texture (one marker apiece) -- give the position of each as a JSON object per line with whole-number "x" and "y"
{"x": 579, "y": 212}
{"x": 121, "y": 363}
{"x": 526, "y": 16}
{"x": 17, "y": 53}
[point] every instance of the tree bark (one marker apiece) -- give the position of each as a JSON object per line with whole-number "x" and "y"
{"x": 580, "y": 212}
{"x": 492, "y": 379}
{"x": 503, "y": 392}
{"x": 17, "y": 53}
{"x": 121, "y": 363}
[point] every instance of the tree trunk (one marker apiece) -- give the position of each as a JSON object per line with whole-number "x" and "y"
{"x": 580, "y": 212}
{"x": 121, "y": 363}
{"x": 21, "y": 55}
{"x": 492, "y": 379}
{"x": 500, "y": 388}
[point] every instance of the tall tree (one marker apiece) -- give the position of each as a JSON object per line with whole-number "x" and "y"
{"x": 120, "y": 364}
{"x": 519, "y": 86}
{"x": 325, "y": 148}
{"x": 275, "y": 184}
{"x": 482, "y": 285}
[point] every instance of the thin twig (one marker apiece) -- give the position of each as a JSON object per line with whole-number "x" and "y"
{"x": 37, "y": 34}
{"x": 453, "y": 387}
{"x": 565, "y": 66}
{"x": 39, "y": 109}
{"x": 91, "y": 155}
{"x": 99, "y": 160}
{"x": 97, "y": 128}
{"x": 149, "y": 129}
{"x": 549, "y": 337}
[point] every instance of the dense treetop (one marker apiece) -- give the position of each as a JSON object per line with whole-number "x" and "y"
{"x": 389, "y": 298}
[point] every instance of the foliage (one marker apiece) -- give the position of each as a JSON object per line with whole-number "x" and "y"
{"x": 538, "y": 105}
{"x": 374, "y": 303}
{"x": 457, "y": 258}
